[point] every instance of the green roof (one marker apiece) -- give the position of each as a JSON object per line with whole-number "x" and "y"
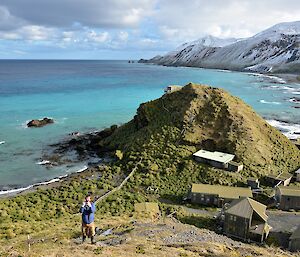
{"x": 235, "y": 163}
{"x": 282, "y": 176}
{"x": 146, "y": 207}
{"x": 289, "y": 190}
{"x": 296, "y": 234}
{"x": 214, "y": 156}
{"x": 222, "y": 191}
{"x": 244, "y": 207}
{"x": 252, "y": 179}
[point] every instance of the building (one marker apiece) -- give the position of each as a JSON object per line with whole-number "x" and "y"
{"x": 172, "y": 88}
{"x": 288, "y": 197}
{"x": 253, "y": 183}
{"x": 147, "y": 209}
{"x": 297, "y": 175}
{"x": 246, "y": 219}
{"x": 216, "y": 195}
{"x": 216, "y": 159}
{"x": 282, "y": 179}
{"x": 294, "y": 244}
{"x": 235, "y": 166}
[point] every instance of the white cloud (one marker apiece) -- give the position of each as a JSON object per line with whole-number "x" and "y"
{"x": 231, "y": 18}
{"x": 138, "y": 25}
{"x": 123, "y": 36}
{"x": 98, "y": 37}
{"x": 30, "y": 33}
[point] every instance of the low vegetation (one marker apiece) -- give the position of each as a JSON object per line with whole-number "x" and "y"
{"x": 162, "y": 136}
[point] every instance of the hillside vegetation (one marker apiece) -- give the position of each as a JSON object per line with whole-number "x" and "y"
{"x": 160, "y": 140}
{"x": 200, "y": 116}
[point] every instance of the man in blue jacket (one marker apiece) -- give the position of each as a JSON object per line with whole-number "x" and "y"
{"x": 88, "y": 209}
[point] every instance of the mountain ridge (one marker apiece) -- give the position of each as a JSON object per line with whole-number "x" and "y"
{"x": 276, "y": 49}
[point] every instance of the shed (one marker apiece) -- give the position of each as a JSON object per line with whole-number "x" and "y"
{"x": 282, "y": 179}
{"x": 288, "y": 197}
{"x": 253, "y": 183}
{"x": 216, "y": 159}
{"x": 172, "y": 88}
{"x": 235, "y": 166}
{"x": 147, "y": 209}
{"x": 246, "y": 219}
{"x": 294, "y": 244}
{"x": 217, "y": 195}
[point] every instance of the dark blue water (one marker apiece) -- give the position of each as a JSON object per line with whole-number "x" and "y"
{"x": 90, "y": 95}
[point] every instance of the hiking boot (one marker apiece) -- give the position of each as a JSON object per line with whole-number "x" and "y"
{"x": 83, "y": 239}
{"x": 93, "y": 240}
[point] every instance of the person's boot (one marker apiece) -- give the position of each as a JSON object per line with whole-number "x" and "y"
{"x": 93, "y": 240}
{"x": 83, "y": 238}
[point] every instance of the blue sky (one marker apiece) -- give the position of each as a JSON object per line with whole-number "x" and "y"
{"x": 127, "y": 29}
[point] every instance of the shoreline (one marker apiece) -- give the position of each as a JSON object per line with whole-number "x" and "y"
{"x": 277, "y": 77}
{"x": 86, "y": 169}
{"x": 54, "y": 182}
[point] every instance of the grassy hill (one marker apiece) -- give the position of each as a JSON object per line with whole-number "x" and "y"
{"x": 200, "y": 116}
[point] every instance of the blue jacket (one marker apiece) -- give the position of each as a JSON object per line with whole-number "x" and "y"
{"x": 88, "y": 213}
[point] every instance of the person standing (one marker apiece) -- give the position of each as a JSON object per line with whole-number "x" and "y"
{"x": 88, "y": 209}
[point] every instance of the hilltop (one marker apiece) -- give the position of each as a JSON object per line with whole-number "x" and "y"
{"x": 199, "y": 116}
{"x": 274, "y": 50}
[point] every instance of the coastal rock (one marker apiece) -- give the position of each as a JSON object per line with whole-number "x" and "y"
{"x": 40, "y": 123}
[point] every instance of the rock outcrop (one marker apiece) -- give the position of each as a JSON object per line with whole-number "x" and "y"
{"x": 40, "y": 123}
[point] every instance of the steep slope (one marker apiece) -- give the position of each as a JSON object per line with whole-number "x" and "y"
{"x": 200, "y": 116}
{"x": 272, "y": 50}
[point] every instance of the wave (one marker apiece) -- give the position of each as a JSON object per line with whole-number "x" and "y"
{"x": 18, "y": 190}
{"x": 285, "y": 89}
{"x": 2, "y": 142}
{"x": 266, "y": 102}
{"x": 274, "y": 78}
{"x": 43, "y": 162}
{"x": 290, "y": 130}
{"x": 294, "y": 100}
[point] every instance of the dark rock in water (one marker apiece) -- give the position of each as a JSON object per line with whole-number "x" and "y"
{"x": 40, "y": 123}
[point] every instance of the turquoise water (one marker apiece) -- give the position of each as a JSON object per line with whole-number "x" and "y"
{"x": 91, "y": 95}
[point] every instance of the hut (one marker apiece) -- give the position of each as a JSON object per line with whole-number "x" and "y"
{"x": 282, "y": 179}
{"x": 246, "y": 219}
{"x": 216, "y": 195}
{"x": 288, "y": 198}
{"x": 235, "y": 166}
{"x": 172, "y": 88}
{"x": 216, "y": 159}
{"x": 294, "y": 244}
{"x": 147, "y": 209}
{"x": 253, "y": 183}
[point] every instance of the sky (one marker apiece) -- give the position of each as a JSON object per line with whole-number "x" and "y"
{"x": 128, "y": 29}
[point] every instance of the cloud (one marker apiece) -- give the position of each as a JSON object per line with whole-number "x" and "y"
{"x": 180, "y": 21}
{"x": 30, "y": 33}
{"x": 92, "y": 13}
{"x": 133, "y": 25}
{"x": 8, "y": 21}
{"x": 123, "y": 36}
{"x": 98, "y": 37}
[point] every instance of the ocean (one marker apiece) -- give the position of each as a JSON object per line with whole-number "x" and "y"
{"x": 90, "y": 95}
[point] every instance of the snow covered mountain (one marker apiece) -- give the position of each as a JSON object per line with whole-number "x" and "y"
{"x": 276, "y": 49}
